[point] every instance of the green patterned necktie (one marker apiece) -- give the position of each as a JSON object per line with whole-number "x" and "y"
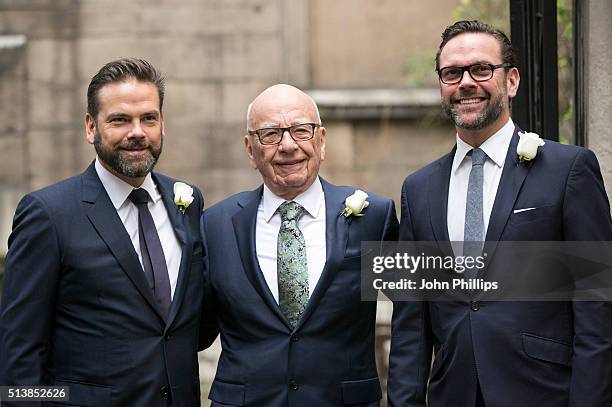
{"x": 292, "y": 267}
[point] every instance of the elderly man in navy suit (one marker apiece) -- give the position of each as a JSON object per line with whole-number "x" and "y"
{"x": 103, "y": 285}
{"x": 283, "y": 268}
{"x": 495, "y": 354}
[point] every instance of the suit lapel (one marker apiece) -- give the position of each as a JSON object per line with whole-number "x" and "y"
{"x": 438, "y": 202}
{"x": 513, "y": 176}
{"x": 183, "y": 236}
{"x": 336, "y": 227}
{"x": 244, "y": 222}
{"x": 335, "y": 235}
{"x": 103, "y": 216}
{"x": 166, "y": 190}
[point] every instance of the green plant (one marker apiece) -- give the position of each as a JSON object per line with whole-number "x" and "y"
{"x": 493, "y": 12}
{"x": 565, "y": 52}
{"x": 418, "y": 68}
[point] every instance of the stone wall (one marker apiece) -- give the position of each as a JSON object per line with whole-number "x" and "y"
{"x": 14, "y": 157}
{"x": 217, "y": 55}
{"x": 361, "y": 44}
{"x": 598, "y": 21}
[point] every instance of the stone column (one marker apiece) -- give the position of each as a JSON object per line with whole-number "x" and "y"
{"x": 598, "y": 25}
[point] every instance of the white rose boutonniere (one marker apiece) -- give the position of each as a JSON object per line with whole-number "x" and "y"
{"x": 528, "y": 144}
{"x": 355, "y": 203}
{"x": 183, "y": 196}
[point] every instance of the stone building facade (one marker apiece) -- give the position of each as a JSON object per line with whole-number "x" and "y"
{"x": 217, "y": 55}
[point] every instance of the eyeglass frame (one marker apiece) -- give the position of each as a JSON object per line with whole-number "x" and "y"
{"x": 468, "y": 67}
{"x": 315, "y": 126}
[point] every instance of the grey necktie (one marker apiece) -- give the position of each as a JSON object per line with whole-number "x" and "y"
{"x": 473, "y": 232}
{"x": 152, "y": 252}
{"x": 292, "y": 267}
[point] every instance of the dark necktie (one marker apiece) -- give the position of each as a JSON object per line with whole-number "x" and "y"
{"x": 152, "y": 252}
{"x": 292, "y": 267}
{"x": 474, "y": 215}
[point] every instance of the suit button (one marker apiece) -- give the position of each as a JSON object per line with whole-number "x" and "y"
{"x": 167, "y": 337}
{"x": 164, "y": 392}
{"x": 293, "y": 385}
{"x": 474, "y": 305}
{"x": 295, "y": 338}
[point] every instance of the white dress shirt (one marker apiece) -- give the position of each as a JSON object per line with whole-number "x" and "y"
{"x": 496, "y": 148}
{"x": 311, "y": 223}
{"x": 118, "y": 192}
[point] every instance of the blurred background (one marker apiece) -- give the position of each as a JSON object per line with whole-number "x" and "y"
{"x": 369, "y": 64}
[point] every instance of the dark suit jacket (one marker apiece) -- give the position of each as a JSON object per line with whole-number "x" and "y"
{"x": 77, "y": 310}
{"x": 328, "y": 359}
{"x": 520, "y": 353}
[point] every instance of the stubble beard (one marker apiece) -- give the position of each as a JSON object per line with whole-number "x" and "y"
{"x": 126, "y": 166}
{"x": 488, "y": 116}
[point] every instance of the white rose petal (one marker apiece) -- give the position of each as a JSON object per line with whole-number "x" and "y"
{"x": 357, "y": 202}
{"x": 183, "y": 194}
{"x": 528, "y": 145}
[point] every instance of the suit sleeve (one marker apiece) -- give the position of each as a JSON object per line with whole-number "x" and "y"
{"x": 411, "y": 344}
{"x": 586, "y": 217}
{"x": 209, "y": 328}
{"x": 33, "y": 266}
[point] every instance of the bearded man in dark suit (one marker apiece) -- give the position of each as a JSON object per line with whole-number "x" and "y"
{"x": 499, "y": 353}
{"x": 103, "y": 284}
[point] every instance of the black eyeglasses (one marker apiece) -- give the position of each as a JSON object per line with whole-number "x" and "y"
{"x": 479, "y": 72}
{"x": 274, "y": 135}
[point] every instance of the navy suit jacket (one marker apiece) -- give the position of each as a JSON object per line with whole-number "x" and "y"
{"x": 76, "y": 307}
{"x": 520, "y": 353}
{"x": 328, "y": 359}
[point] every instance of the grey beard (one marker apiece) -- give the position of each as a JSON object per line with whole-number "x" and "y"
{"x": 131, "y": 169}
{"x": 123, "y": 166}
{"x": 491, "y": 113}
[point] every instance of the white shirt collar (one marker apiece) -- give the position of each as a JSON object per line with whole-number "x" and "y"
{"x": 118, "y": 190}
{"x": 495, "y": 147}
{"x": 311, "y": 200}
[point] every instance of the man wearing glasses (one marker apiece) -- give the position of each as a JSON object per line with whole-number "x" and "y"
{"x": 283, "y": 270}
{"x": 540, "y": 354}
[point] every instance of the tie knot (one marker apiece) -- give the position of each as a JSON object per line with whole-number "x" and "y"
{"x": 478, "y": 157}
{"x": 139, "y": 196}
{"x": 290, "y": 211}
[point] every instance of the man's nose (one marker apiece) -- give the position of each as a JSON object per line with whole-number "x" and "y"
{"x": 466, "y": 80}
{"x": 136, "y": 131}
{"x": 287, "y": 143}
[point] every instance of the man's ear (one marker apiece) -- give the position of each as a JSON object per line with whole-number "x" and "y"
{"x": 322, "y": 133}
{"x": 90, "y": 128}
{"x": 513, "y": 78}
{"x": 163, "y": 126}
{"x": 248, "y": 145}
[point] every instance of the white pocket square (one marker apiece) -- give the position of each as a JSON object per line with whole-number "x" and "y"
{"x": 523, "y": 210}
